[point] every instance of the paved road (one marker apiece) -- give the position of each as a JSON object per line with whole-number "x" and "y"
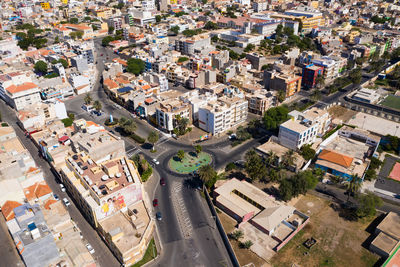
{"x": 387, "y": 184}
{"x": 103, "y": 255}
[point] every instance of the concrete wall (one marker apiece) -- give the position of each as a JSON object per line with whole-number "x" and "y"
{"x": 281, "y": 245}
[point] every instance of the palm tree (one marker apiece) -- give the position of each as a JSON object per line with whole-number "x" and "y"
{"x": 88, "y": 99}
{"x": 353, "y": 186}
{"x": 288, "y": 158}
{"x": 97, "y": 105}
{"x": 153, "y": 138}
{"x": 206, "y": 173}
{"x": 198, "y": 149}
{"x": 181, "y": 154}
{"x": 320, "y": 81}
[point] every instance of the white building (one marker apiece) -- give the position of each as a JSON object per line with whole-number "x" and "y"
{"x": 168, "y": 111}
{"x": 303, "y": 128}
{"x": 331, "y": 67}
{"x": 221, "y": 115}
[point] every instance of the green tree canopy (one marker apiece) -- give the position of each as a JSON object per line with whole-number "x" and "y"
{"x": 88, "y": 99}
{"x": 255, "y": 166}
{"x": 274, "y": 117}
{"x": 153, "y": 137}
{"x": 97, "y": 105}
{"x": 135, "y": 66}
{"x": 41, "y": 67}
{"x": 367, "y": 204}
{"x": 208, "y": 175}
{"x": 307, "y": 152}
{"x": 180, "y": 154}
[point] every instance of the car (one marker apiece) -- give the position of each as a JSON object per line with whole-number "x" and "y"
{"x": 158, "y": 216}
{"x": 80, "y": 235}
{"x": 66, "y": 202}
{"x": 62, "y": 187}
{"x": 56, "y": 197}
{"x": 156, "y": 161}
{"x": 90, "y": 248}
{"x": 155, "y": 202}
{"x": 162, "y": 181}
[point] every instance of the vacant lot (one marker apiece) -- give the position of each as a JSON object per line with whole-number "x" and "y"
{"x": 338, "y": 240}
{"x": 341, "y": 113}
{"x": 391, "y": 101}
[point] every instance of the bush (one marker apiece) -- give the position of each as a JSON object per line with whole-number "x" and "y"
{"x": 138, "y": 138}
{"x": 146, "y": 174}
{"x": 108, "y": 123}
{"x": 4, "y": 124}
{"x": 230, "y": 166}
{"x": 67, "y": 122}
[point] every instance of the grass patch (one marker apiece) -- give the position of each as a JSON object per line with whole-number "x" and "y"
{"x": 150, "y": 254}
{"x": 391, "y": 101}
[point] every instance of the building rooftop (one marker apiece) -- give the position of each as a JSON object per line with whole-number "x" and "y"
{"x": 22, "y": 87}
{"x": 335, "y": 157}
{"x": 391, "y": 225}
{"x": 385, "y": 242}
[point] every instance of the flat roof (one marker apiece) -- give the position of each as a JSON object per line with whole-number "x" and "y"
{"x": 375, "y": 124}
{"x": 391, "y": 225}
{"x": 385, "y": 242}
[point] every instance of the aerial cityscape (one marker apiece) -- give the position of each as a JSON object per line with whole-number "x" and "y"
{"x": 204, "y": 133}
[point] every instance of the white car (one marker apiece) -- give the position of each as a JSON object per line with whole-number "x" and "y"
{"x": 90, "y": 248}
{"x": 62, "y": 187}
{"x": 66, "y": 202}
{"x": 156, "y": 161}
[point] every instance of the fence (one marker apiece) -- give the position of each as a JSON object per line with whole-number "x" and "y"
{"x": 221, "y": 230}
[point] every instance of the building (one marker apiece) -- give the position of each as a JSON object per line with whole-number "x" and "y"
{"x": 258, "y": 102}
{"x": 219, "y": 116}
{"x": 303, "y": 128}
{"x": 347, "y": 152}
{"x": 366, "y": 95}
{"x": 116, "y": 22}
{"x": 246, "y": 203}
{"x": 166, "y": 114}
{"x": 199, "y": 44}
{"x": 32, "y": 237}
{"x": 22, "y": 95}
{"x": 310, "y": 74}
{"x": 308, "y": 16}
{"x": 109, "y": 194}
{"x": 287, "y": 82}
{"x": 331, "y": 67}
{"x": 387, "y": 237}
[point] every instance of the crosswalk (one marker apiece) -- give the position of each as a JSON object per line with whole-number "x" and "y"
{"x": 181, "y": 212}
{"x": 133, "y": 151}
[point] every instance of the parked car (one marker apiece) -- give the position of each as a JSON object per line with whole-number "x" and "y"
{"x": 155, "y": 202}
{"x": 90, "y": 248}
{"x": 66, "y": 202}
{"x": 162, "y": 181}
{"x": 56, "y": 197}
{"x": 62, "y": 187}
{"x": 158, "y": 216}
{"x": 156, "y": 161}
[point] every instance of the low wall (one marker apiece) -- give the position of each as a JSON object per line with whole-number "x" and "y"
{"x": 281, "y": 245}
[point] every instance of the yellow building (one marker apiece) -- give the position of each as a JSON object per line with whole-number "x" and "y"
{"x": 65, "y": 2}
{"x": 105, "y": 13}
{"x": 45, "y": 5}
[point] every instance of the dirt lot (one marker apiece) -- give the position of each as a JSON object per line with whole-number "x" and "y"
{"x": 338, "y": 240}
{"x": 341, "y": 113}
{"x": 245, "y": 256}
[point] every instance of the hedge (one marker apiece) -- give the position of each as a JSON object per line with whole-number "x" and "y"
{"x": 138, "y": 138}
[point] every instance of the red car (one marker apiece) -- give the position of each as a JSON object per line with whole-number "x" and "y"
{"x": 101, "y": 55}
{"x": 162, "y": 181}
{"x": 155, "y": 202}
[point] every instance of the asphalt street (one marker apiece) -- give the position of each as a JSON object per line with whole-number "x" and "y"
{"x": 103, "y": 255}
{"x": 8, "y": 252}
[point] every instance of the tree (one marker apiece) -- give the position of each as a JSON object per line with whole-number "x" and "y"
{"x": 74, "y": 21}
{"x": 180, "y": 124}
{"x": 367, "y": 205}
{"x": 180, "y": 154}
{"x": 97, "y": 105}
{"x": 208, "y": 175}
{"x": 128, "y": 125}
{"x": 320, "y": 81}
{"x": 352, "y": 186}
{"x": 153, "y": 138}
{"x": 175, "y": 29}
{"x": 281, "y": 96}
{"x": 182, "y": 59}
{"x": 198, "y": 149}
{"x": 370, "y": 175}
{"x": 111, "y": 29}
{"x": 286, "y": 190}
{"x": 242, "y": 134}
{"x": 279, "y": 31}
{"x": 56, "y": 40}
{"x": 88, "y": 99}
{"x": 135, "y": 66}
{"x": 158, "y": 18}
{"x": 236, "y": 235}
{"x": 204, "y": 2}
{"x": 356, "y": 76}
{"x": 249, "y": 48}
{"x": 274, "y": 117}
{"x": 307, "y": 152}
{"x": 316, "y": 95}
{"x": 79, "y": 34}
{"x": 247, "y": 244}
{"x": 41, "y": 67}
{"x": 255, "y": 167}
{"x": 210, "y": 26}
{"x": 288, "y": 159}
{"x": 63, "y": 62}
{"x": 268, "y": 67}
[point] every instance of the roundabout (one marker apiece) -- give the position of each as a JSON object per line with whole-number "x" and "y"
{"x": 190, "y": 163}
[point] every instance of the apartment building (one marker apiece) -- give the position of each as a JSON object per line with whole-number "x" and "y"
{"x": 285, "y": 81}
{"x": 219, "y": 116}
{"x": 116, "y": 22}
{"x": 109, "y": 194}
{"x": 168, "y": 110}
{"x": 310, "y": 74}
{"x": 331, "y": 67}
{"x": 308, "y": 16}
{"x": 259, "y": 102}
{"x": 200, "y": 44}
{"x": 303, "y": 128}
{"x": 104, "y": 13}
{"x": 22, "y": 95}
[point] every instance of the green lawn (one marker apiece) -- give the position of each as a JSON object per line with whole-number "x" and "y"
{"x": 190, "y": 163}
{"x": 391, "y": 101}
{"x": 148, "y": 256}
